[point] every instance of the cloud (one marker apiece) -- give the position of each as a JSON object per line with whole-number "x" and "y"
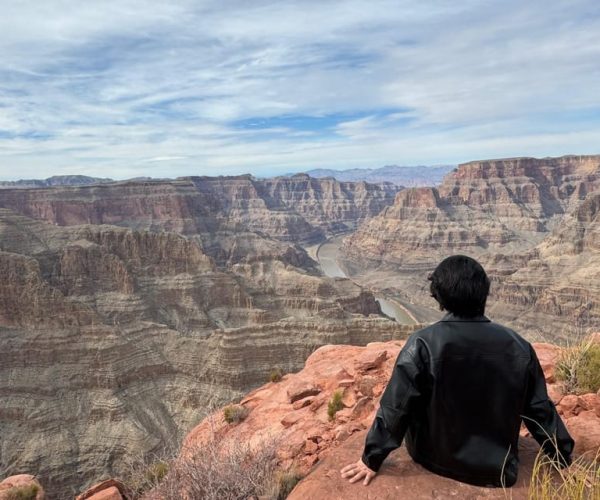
{"x": 134, "y": 88}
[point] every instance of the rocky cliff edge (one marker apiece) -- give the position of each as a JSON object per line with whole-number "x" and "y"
{"x": 293, "y": 413}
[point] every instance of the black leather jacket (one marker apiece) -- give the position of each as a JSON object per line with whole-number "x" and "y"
{"x": 458, "y": 393}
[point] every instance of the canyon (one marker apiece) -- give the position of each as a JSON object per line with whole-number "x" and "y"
{"x": 127, "y": 310}
{"x": 532, "y": 223}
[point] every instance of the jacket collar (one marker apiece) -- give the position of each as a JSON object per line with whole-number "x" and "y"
{"x": 452, "y": 317}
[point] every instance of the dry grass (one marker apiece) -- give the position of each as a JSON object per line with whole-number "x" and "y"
{"x": 213, "y": 473}
{"x": 282, "y": 484}
{"x": 234, "y": 414}
{"x": 144, "y": 473}
{"x": 28, "y": 492}
{"x": 578, "y": 367}
{"x": 215, "y": 470}
{"x": 276, "y": 375}
{"x": 579, "y": 481}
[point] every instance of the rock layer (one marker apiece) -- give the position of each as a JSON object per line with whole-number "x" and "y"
{"x": 298, "y": 208}
{"x": 114, "y": 341}
{"x": 532, "y": 223}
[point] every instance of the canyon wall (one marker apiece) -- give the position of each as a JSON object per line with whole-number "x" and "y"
{"x": 531, "y": 222}
{"x": 297, "y": 208}
{"x": 127, "y": 310}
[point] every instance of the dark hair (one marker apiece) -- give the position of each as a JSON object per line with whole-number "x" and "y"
{"x": 460, "y": 286}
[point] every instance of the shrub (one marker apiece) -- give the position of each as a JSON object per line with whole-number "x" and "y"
{"x": 579, "y": 481}
{"x": 579, "y": 367}
{"x": 28, "y": 492}
{"x": 143, "y": 474}
{"x": 588, "y": 375}
{"x": 276, "y": 375}
{"x": 214, "y": 472}
{"x": 335, "y": 404}
{"x": 235, "y": 413}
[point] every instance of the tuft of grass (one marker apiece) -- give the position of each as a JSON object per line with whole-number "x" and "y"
{"x": 335, "y": 404}
{"x": 156, "y": 472}
{"x": 282, "y": 484}
{"x": 276, "y": 375}
{"x": 579, "y": 481}
{"x": 235, "y": 413}
{"x": 287, "y": 481}
{"x": 28, "y": 492}
{"x": 579, "y": 367}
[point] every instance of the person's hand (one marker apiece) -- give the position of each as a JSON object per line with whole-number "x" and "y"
{"x": 357, "y": 471}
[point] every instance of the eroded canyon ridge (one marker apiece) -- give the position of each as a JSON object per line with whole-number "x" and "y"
{"x": 126, "y": 307}
{"x": 533, "y": 223}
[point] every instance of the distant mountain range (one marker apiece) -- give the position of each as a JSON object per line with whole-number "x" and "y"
{"x": 403, "y": 176}
{"x": 56, "y": 180}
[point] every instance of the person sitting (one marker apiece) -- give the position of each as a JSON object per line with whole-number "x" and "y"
{"x": 460, "y": 389}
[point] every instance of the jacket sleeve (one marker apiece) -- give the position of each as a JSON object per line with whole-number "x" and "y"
{"x": 541, "y": 418}
{"x": 399, "y": 399}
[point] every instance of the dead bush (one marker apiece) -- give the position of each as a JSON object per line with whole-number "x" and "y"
{"x": 215, "y": 472}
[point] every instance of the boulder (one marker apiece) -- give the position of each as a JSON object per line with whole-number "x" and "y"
{"x": 110, "y": 489}
{"x": 370, "y": 360}
{"x": 548, "y": 355}
{"x": 585, "y": 430}
{"x": 569, "y": 405}
{"x": 301, "y": 403}
{"x": 301, "y": 389}
{"x": 111, "y": 493}
{"x": 13, "y": 484}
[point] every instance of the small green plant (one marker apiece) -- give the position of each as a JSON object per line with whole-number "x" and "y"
{"x": 335, "y": 404}
{"x": 276, "y": 374}
{"x": 579, "y": 367}
{"x": 28, "y": 492}
{"x": 235, "y": 413}
{"x": 286, "y": 482}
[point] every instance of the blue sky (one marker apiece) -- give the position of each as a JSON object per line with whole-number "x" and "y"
{"x": 130, "y": 88}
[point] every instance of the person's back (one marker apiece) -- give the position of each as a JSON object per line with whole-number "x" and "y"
{"x": 459, "y": 391}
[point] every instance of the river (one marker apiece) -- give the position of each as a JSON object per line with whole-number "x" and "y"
{"x": 327, "y": 256}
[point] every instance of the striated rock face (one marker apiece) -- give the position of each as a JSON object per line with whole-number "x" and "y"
{"x": 480, "y": 204}
{"x": 114, "y": 341}
{"x": 557, "y": 282}
{"x": 532, "y": 223}
{"x": 293, "y": 412}
{"x": 298, "y": 208}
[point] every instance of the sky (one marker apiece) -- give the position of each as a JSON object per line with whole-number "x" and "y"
{"x": 127, "y": 88}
